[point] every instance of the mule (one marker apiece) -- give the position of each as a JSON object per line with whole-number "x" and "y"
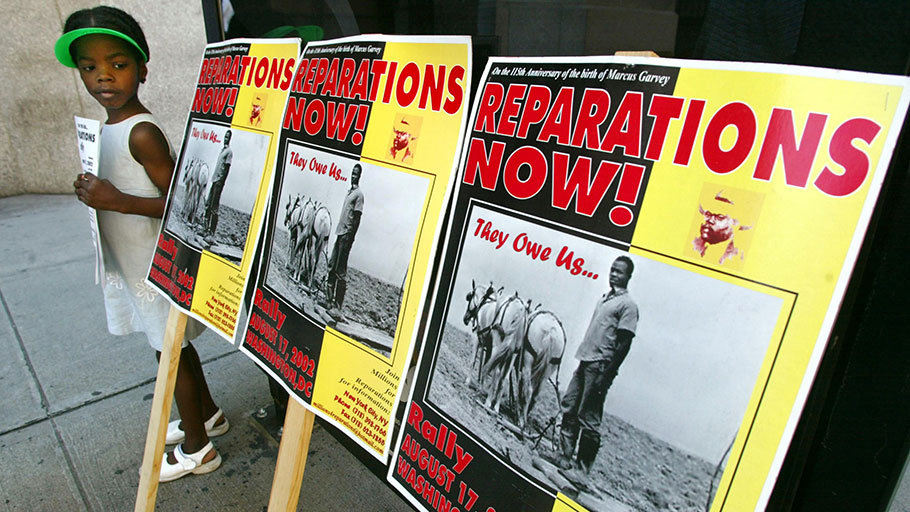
{"x": 293, "y": 212}
{"x": 317, "y": 235}
{"x": 306, "y": 239}
{"x": 479, "y": 315}
{"x": 539, "y": 357}
{"x": 507, "y": 334}
{"x": 189, "y": 179}
{"x": 291, "y": 220}
{"x": 195, "y": 181}
{"x": 512, "y": 341}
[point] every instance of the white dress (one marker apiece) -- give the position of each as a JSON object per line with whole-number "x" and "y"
{"x": 128, "y": 243}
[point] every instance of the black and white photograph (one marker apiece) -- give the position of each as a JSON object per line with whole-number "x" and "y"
{"x": 344, "y": 235}
{"x": 611, "y": 377}
{"x": 217, "y": 182}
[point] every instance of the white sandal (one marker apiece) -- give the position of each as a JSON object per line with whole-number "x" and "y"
{"x": 176, "y": 435}
{"x": 188, "y": 463}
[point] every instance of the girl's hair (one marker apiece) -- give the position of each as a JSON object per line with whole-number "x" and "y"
{"x": 110, "y": 18}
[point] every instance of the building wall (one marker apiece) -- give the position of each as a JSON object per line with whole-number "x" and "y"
{"x": 38, "y": 152}
{"x": 585, "y": 27}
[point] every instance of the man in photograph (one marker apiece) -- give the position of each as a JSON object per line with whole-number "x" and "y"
{"x": 219, "y": 176}
{"x": 351, "y": 211}
{"x": 603, "y": 349}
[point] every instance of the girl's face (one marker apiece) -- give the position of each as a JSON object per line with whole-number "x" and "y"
{"x": 111, "y": 74}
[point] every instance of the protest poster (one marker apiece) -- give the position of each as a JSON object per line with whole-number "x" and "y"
{"x": 88, "y": 134}
{"x": 219, "y": 192}
{"x": 644, "y": 263}
{"x": 366, "y": 162}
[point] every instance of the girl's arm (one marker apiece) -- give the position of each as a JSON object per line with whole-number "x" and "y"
{"x": 149, "y": 147}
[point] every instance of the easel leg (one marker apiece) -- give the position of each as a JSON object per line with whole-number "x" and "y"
{"x": 161, "y": 410}
{"x": 292, "y": 452}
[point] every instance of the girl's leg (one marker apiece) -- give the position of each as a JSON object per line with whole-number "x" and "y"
{"x": 190, "y": 358}
{"x": 189, "y": 405}
{"x": 205, "y": 397}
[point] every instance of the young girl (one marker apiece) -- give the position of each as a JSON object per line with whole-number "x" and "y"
{"x": 110, "y": 51}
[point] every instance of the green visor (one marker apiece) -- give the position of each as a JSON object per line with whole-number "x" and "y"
{"x": 62, "y": 46}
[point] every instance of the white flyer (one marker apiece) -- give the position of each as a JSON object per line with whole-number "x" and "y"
{"x": 88, "y": 134}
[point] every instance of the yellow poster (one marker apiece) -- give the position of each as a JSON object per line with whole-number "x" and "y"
{"x": 365, "y": 165}
{"x": 217, "y": 201}
{"x": 644, "y": 263}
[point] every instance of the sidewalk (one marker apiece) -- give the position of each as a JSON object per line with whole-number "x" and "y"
{"x": 75, "y": 402}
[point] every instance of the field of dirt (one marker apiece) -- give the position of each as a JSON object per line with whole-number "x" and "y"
{"x": 370, "y": 302}
{"x": 633, "y": 470}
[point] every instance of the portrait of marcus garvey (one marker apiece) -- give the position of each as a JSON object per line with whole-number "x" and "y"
{"x": 719, "y": 226}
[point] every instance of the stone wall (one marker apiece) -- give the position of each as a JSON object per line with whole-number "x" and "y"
{"x": 38, "y": 152}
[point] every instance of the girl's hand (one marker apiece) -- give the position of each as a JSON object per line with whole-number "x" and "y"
{"x": 97, "y": 193}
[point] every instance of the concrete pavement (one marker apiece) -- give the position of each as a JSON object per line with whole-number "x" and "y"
{"x": 75, "y": 400}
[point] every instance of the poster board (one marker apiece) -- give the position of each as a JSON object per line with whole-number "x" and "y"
{"x": 346, "y": 256}
{"x": 741, "y": 194}
{"x": 219, "y": 192}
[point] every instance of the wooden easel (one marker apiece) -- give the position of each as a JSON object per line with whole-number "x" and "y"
{"x": 161, "y": 410}
{"x": 292, "y": 453}
{"x": 636, "y": 53}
